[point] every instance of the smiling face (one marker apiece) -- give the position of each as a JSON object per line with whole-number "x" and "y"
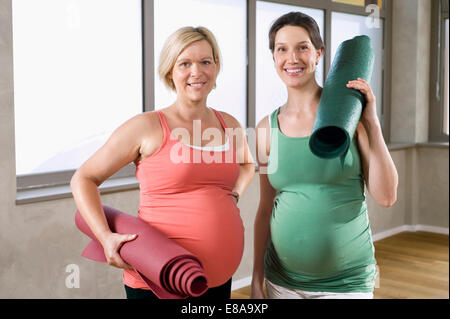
{"x": 194, "y": 73}
{"x": 295, "y": 56}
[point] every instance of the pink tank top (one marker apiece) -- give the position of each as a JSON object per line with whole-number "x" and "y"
{"x": 186, "y": 194}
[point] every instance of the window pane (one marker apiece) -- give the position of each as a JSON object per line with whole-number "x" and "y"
{"x": 270, "y": 90}
{"x": 346, "y": 26}
{"x": 227, "y": 20}
{"x": 77, "y": 76}
{"x": 361, "y": 3}
{"x": 446, "y": 83}
{"x": 352, "y": 2}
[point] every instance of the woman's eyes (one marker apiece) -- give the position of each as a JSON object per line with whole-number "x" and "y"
{"x": 184, "y": 64}
{"x": 187, "y": 64}
{"x": 301, "y": 48}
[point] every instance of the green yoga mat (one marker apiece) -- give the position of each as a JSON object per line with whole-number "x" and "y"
{"x": 340, "y": 107}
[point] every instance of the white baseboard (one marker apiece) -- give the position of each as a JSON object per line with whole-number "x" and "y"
{"x": 246, "y": 281}
{"x": 409, "y": 228}
{"x": 241, "y": 283}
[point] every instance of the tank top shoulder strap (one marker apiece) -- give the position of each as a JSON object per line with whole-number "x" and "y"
{"x": 220, "y": 117}
{"x": 273, "y": 123}
{"x": 224, "y": 126}
{"x": 273, "y": 119}
{"x": 165, "y": 127}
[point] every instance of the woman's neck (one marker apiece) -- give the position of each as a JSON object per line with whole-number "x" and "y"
{"x": 303, "y": 98}
{"x": 190, "y": 111}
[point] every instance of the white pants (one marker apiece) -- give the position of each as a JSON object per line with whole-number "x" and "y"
{"x": 278, "y": 292}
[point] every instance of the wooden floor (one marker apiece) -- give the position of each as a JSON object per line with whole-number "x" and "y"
{"x": 412, "y": 265}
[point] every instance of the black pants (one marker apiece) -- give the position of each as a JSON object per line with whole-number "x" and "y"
{"x": 220, "y": 292}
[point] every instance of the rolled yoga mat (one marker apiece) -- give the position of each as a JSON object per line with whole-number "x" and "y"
{"x": 168, "y": 269}
{"x": 340, "y": 107}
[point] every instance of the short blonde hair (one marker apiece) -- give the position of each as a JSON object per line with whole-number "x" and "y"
{"x": 176, "y": 43}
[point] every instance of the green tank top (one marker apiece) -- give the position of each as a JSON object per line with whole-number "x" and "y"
{"x": 320, "y": 232}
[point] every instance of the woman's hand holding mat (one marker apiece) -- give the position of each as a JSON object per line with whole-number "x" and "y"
{"x": 369, "y": 112}
{"x": 111, "y": 246}
{"x": 168, "y": 269}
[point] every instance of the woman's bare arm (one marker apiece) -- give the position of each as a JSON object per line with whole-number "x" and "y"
{"x": 124, "y": 146}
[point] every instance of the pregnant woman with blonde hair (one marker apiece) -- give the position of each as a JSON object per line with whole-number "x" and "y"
{"x": 188, "y": 187}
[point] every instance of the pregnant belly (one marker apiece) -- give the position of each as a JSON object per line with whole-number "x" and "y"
{"x": 314, "y": 244}
{"x": 214, "y": 233}
{"x": 310, "y": 255}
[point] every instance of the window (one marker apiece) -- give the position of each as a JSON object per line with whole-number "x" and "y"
{"x": 230, "y": 31}
{"x": 361, "y": 3}
{"x": 77, "y": 77}
{"x": 338, "y": 20}
{"x": 345, "y": 26}
{"x": 445, "y": 123}
{"x": 439, "y": 104}
{"x": 83, "y": 67}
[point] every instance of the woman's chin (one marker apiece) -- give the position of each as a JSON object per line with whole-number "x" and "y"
{"x": 298, "y": 82}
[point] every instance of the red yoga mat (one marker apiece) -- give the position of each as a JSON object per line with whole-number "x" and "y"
{"x": 168, "y": 269}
